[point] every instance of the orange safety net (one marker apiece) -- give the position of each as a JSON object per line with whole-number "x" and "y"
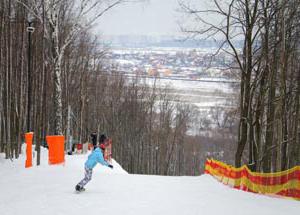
{"x": 56, "y": 151}
{"x": 28, "y": 141}
{"x": 285, "y": 183}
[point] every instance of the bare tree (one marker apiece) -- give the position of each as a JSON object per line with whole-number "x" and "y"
{"x": 267, "y": 31}
{"x": 72, "y": 17}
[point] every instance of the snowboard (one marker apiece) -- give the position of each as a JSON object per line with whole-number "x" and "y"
{"x": 80, "y": 191}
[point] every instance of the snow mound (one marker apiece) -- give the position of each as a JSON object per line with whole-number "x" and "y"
{"x": 49, "y": 190}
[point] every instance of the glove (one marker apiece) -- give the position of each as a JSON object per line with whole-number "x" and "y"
{"x": 110, "y": 166}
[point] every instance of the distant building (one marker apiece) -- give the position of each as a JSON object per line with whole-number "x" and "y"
{"x": 167, "y": 72}
{"x": 153, "y": 72}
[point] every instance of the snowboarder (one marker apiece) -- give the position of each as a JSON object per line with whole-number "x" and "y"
{"x": 95, "y": 157}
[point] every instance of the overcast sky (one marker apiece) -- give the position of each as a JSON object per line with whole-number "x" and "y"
{"x": 155, "y": 17}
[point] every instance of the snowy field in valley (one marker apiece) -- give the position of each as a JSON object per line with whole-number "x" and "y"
{"x": 49, "y": 190}
{"x": 203, "y": 95}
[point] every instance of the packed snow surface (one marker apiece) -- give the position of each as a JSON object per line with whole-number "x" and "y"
{"x": 49, "y": 190}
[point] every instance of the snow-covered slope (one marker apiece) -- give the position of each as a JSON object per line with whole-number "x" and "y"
{"x": 49, "y": 190}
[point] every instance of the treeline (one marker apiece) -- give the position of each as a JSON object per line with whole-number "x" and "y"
{"x": 269, "y": 72}
{"x": 44, "y": 73}
{"x": 147, "y": 127}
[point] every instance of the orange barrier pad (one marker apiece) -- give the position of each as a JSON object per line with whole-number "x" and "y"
{"x": 28, "y": 141}
{"x": 56, "y": 151}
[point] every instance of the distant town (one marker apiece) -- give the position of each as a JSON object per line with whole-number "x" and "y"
{"x": 155, "y": 59}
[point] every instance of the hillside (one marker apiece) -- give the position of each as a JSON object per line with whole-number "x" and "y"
{"x": 49, "y": 190}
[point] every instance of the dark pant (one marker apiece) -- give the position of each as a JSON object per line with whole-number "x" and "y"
{"x": 87, "y": 177}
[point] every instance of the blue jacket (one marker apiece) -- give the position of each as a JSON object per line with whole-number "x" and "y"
{"x": 95, "y": 157}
